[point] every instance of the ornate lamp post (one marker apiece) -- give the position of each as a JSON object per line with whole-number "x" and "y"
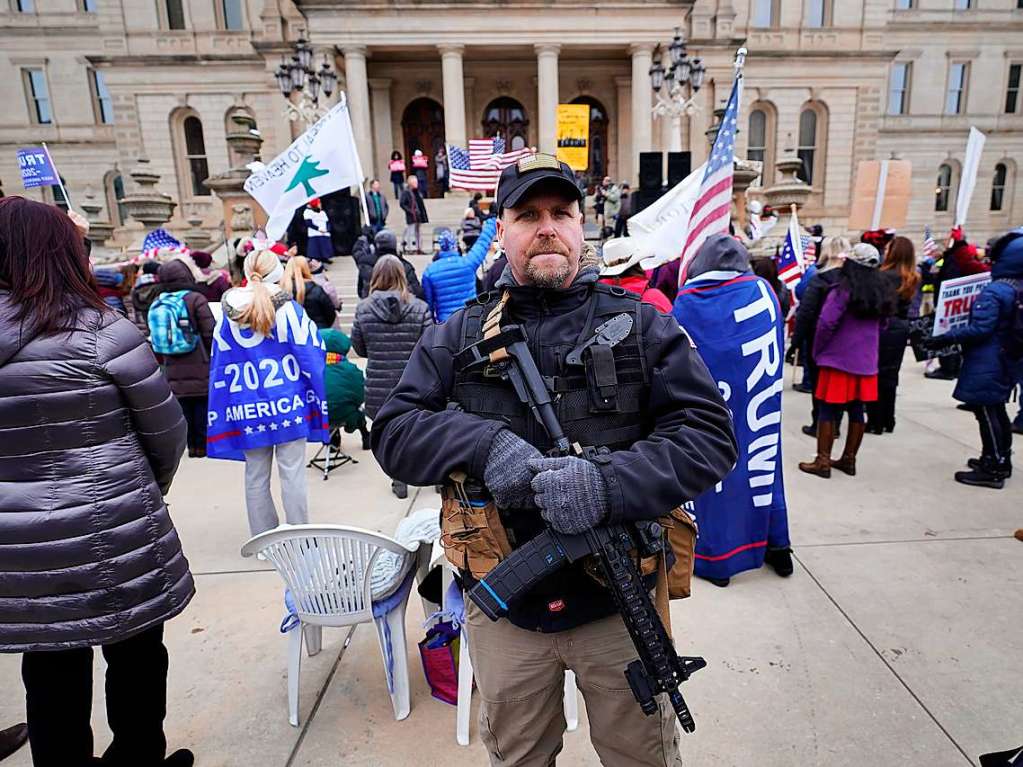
{"x": 671, "y": 85}
{"x": 301, "y": 84}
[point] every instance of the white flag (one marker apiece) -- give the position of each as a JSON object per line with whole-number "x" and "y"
{"x": 320, "y": 161}
{"x": 660, "y": 229}
{"x": 974, "y": 148}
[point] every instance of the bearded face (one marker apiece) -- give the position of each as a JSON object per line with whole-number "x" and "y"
{"x": 543, "y": 239}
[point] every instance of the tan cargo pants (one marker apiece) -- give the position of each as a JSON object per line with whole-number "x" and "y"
{"x": 520, "y": 677}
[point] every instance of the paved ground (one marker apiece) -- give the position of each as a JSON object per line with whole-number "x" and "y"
{"x": 896, "y": 642}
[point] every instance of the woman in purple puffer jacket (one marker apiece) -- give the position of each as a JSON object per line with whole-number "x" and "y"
{"x": 845, "y": 348}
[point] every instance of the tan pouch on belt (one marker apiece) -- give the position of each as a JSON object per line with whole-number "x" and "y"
{"x": 472, "y": 536}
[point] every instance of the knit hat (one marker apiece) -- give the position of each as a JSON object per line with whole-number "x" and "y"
{"x": 446, "y": 240}
{"x": 865, "y": 254}
{"x": 202, "y": 258}
{"x": 386, "y": 242}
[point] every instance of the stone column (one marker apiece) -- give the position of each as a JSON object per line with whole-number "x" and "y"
{"x": 358, "y": 103}
{"x": 380, "y": 97}
{"x": 642, "y": 103}
{"x": 454, "y": 94}
{"x": 547, "y": 96}
{"x": 625, "y": 164}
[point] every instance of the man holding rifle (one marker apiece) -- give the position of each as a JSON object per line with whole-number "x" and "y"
{"x": 638, "y": 392}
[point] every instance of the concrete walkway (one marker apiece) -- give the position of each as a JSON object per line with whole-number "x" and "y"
{"x": 896, "y": 642}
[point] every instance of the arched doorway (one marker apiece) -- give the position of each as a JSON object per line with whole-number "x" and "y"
{"x": 422, "y": 125}
{"x": 597, "y": 169}
{"x": 505, "y": 117}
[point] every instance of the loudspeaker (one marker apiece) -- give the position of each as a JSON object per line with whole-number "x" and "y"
{"x": 680, "y": 165}
{"x": 650, "y": 175}
{"x": 643, "y": 198}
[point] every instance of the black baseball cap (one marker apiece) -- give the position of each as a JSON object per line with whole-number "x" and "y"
{"x": 516, "y": 180}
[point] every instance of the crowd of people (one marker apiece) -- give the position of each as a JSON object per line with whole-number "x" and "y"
{"x": 143, "y": 363}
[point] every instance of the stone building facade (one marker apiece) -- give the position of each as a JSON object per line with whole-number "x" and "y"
{"x": 105, "y": 82}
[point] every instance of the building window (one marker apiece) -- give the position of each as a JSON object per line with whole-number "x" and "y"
{"x": 1012, "y": 91}
{"x": 903, "y": 5}
{"x": 59, "y": 198}
{"x": 818, "y": 13}
{"x": 175, "y": 14}
{"x": 103, "y": 104}
{"x": 89, "y": 6}
{"x": 955, "y": 96}
{"x": 115, "y": 193}
{"x": 944, "y": 187}
{"x": 765, "y": 13}
{"x": 963, "y": 5}
{"x": 998, "y": 186}
{"x": 24, "y": 6}
{"x": 195, "y": 156}
{"x": 38, "y": 96}
{"x": 757, "y": 144}
{"x": 898, "y": 88}
{"x": 807, "y": 143}
{"x": 231, "y": 14}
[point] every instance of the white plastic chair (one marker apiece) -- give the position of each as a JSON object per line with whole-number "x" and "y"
{"x": 465, "y": 677}
{"x": 328, "y": 569}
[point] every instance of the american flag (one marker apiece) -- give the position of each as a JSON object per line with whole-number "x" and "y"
{"x": 809, "y": 245}
{"x": 157, "y": 239}
{"x": 930, "y": 246}
{"x": 480, "y": 167}
{"x": 790, "y": 260}
{"x": 712, "y": 210}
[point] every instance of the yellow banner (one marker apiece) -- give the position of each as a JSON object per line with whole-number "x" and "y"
{"x": 574, "y": 135}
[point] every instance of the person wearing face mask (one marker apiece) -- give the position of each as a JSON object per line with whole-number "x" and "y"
{"x": 654, "y": 408}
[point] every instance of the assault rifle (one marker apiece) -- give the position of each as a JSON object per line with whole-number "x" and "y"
{"x": 659, "y": 668}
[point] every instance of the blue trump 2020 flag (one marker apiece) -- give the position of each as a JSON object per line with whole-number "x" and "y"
{"x": 37, "y": 168}
{"x": 737, "y": 328}
{"x": 266, "y": 390}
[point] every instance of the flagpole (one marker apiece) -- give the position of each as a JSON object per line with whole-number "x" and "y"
{"x": 797, "y": 242}
{"x": 343, "y": 97}
{"x": 60, "y": 183}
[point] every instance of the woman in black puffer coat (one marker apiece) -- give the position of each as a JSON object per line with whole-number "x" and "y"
{"x": 387, "y": 328}
{"x": 92, "y": 439}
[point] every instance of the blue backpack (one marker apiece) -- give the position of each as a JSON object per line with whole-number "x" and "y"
{"x": 170, "y": 329}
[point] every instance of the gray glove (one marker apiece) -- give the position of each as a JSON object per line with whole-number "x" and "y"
{"x": 507, "y": 474}
{"x": 570, "y": 492}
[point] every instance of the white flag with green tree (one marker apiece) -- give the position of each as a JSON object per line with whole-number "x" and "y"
{"x": 320, "y": 161}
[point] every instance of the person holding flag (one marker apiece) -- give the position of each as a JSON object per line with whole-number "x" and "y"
{"x": 266, "y": 390}
{"x": 845, "y": 349}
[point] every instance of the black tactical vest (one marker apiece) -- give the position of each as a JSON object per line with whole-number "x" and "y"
{"x": 599, "y": 404}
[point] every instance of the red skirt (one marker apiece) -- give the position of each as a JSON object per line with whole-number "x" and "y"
{"x": 838, "y": 387}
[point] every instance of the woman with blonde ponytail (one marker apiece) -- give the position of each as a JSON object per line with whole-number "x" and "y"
{"x": 266, "y": 389}
{"x": 298, "y": 282}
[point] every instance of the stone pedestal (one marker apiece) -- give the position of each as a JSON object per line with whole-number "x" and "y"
{"x": 745, "y": 173}
{"x": 240, "y": 212}
{"x": 99, "y": 230}
{"x": 149, "y": 207}
{"x": 197, "y": 238}
{"x": 790, "y": 193}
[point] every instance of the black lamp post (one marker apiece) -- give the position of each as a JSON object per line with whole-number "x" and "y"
{"x": 669, "y": 84}
{"x": 297, "y": 75}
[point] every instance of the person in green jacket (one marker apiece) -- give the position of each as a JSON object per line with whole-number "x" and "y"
{"x": 345, "y": 385}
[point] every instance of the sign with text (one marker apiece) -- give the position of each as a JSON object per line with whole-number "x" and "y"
{"x": 955, "y": 300}
{"x": 574, "y": 135}
{"x": 36, "y": 168}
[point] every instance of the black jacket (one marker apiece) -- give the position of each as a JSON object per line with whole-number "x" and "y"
{"x": 318, "y": 306}
{"x": 810, "y": 307}
{"x": 412, "y": 202}
{"x": 365, "y": 256}
{"x": 384, "y": 332}
{"x": 690, "y": 444}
